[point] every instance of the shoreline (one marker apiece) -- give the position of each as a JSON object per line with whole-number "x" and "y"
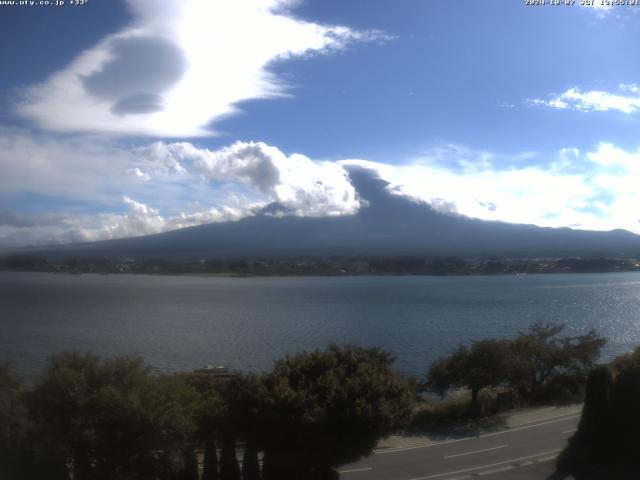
{"x": 320, "y": 275}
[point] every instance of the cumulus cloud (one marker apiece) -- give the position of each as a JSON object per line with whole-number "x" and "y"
{"x": 141, "y": 219}
{"x": 153, "y": 188}
{"x": 157, "y": 187}
{"x": 301, "y": 186}
{"x": 178, "y": 66}
{"x": 90, "y": 172}
{"x": 593, "y": 190}
{"x": 627, "y": 100}
{"x": 18, "y": 229}
{"x": 69, "y": 189}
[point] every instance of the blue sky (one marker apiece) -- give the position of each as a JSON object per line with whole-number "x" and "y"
{"x": 139, "y": 116}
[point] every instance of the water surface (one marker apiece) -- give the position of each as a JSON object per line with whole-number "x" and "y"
{"x": 185, "y": 322}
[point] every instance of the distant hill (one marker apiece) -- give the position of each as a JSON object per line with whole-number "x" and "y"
{"x": 389, "y": 225}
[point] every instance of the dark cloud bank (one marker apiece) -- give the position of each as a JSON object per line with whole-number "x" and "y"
{"x": 389, "y": 224}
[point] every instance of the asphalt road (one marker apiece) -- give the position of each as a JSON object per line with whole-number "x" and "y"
{"x": 526, "y": 453}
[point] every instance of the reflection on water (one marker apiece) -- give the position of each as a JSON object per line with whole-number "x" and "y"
{"x": 186, "y": 322}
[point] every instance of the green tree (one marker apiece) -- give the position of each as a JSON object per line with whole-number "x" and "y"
{"x": 243, "y": 397}
{"x": 14, "y": 424}
{"x": 210, "y": 413}
{"x": 228, "y": 412}
{"x": 326, "y": 408}
{"x": 485, "y": 363}
{"x": 189, "y": 467}
{"x": 540, "y": 355}
{"x": 605, "y": 444}
{"x": 112, "y": 419}
{"x": 537, "y": 364}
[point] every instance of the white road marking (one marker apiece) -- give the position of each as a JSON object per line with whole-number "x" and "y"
{"x": 546, "y": 459}
{"x": 569, "y": 431}
{"x": 446, "y": 442}
{"x": 364, "y": 469}
{"x": 496, "y": 470}
{"x": 476, "y": 451}
{"x": 482, "y": 467}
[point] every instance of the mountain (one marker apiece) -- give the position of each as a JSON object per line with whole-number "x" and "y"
{"x": 389, "y": 224}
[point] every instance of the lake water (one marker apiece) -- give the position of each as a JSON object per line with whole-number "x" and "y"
{"x": 183, "y": 322}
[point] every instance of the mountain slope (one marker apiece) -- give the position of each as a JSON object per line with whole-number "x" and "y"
{"x": 390, "y": 224}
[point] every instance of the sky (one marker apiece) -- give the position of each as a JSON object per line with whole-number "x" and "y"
{"x": 130, "y": 117}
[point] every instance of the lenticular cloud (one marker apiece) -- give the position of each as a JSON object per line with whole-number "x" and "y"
{"x": 177, "y": 67}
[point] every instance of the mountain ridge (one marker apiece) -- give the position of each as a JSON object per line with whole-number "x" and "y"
{"x": 386, "y": 224}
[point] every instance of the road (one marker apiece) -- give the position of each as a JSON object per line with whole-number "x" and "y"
{"x": 525, "y": 452}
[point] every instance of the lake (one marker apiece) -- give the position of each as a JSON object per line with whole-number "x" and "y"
{"x": 186, "y": 322}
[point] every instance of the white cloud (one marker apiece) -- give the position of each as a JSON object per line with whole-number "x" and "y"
{"x": 79, "y": 168}
{"x": 627, "y": 101}
{"x": 596, "y": 190}
{"x": 178, "y": 66}
{"x": 140, "y": 219}
{"x": 21, "y": 237}
{"x": 608, "y": 155}
{"x": 88, "y": 170}
{"x": 81, "y": 183}
{"x": 164, "y": 186}
{"x": 301, "y": 186}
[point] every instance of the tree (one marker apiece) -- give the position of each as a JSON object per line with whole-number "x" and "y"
{"x": 189, "y": 470}
{"x": 540, "y": 356}
{"x": 484, "y": 364}
{"x": 210, "y": 413}
{"x": 241, "y": 420}
{"x": 326, "y": 408}
{"x": 111, "y": 419}
{"x": 605, "y": 444}
{"x": 170, "y": 424}
{"x": 534, "y": 363}
{"x": 228, "y": 411}
{"x": 14, "y": 423}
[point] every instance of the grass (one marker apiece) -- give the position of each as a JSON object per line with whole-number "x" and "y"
{"x": 454, "y": 409}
